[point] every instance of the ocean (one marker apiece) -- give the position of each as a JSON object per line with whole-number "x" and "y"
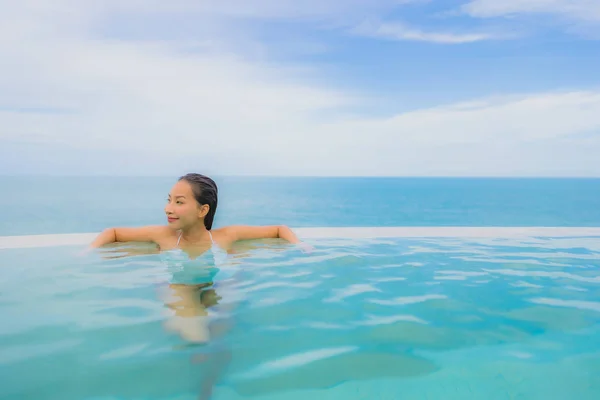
{"x": 42, "y": 205}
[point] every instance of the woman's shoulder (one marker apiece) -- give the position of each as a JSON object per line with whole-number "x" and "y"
{"x": 230, "y": 232}
{"x": 223, "y": 233}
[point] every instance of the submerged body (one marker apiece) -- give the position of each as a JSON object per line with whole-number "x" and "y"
{"x": 191, "y": 289}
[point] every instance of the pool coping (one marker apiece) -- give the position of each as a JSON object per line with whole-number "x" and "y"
{"x": 81, "y": 239}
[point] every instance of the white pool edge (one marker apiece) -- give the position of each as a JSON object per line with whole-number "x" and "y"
{"x": 76, "y": 239}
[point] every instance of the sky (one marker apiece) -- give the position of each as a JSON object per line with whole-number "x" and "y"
{"x": 318, "y": 87}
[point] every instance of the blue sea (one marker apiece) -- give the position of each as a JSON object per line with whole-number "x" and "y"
{"x": 355, "y": 318}
{"x": 36, "y": 205}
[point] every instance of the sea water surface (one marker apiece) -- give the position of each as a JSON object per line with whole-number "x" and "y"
{"x": 42, "y": 205}
{"x": 445, "y": 318}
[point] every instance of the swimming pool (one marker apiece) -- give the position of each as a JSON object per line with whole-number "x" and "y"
{"x": 438, "y": 316}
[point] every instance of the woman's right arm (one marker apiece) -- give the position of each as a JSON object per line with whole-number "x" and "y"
{"x": 142, "y": 234}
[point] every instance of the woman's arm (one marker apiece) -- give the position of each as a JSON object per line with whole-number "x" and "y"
{"x": 244, "y": 232}
{"x": 142, "y": 234}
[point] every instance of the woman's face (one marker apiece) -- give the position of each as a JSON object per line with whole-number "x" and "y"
{"x": 182, "y": 209}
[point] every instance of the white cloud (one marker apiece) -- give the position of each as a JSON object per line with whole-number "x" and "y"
{"x": 330, "y": 10}
{"x": 398, "y": 31}
{"x": 512, "y": 119}
{"x": 295, "y": 9}
{"x": 586, "y": 10}
{"x": 252, "y": 117}
{"x": 144, "y": 93}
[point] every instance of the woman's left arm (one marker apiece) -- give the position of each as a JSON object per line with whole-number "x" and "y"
{"x": 245, "y": 232}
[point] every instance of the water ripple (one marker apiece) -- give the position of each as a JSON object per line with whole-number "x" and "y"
{"x": 351, "y": 290}
{"x": 581, "y": 305}
{"x": 545, "y": 274}
{"x": 390, "y": 319}
{"x": 408, "y": 300}
{"x": 293, "y": 361}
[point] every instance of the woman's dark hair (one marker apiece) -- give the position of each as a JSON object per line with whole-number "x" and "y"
{"x": 206, "y": 192}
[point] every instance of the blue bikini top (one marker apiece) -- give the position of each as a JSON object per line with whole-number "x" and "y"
{"x": 200, "y": 270}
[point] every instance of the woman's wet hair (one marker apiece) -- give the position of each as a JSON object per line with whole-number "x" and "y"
{"x": 206, "y": 192}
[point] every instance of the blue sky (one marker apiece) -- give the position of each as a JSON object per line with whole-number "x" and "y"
{"x": 280, "y": 87}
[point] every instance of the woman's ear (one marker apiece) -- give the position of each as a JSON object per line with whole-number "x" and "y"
{"x": 203, "y": 210}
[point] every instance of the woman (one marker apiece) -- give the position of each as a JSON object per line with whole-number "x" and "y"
{"x": 192, "y": 250}
{"x": 190, "y": 210}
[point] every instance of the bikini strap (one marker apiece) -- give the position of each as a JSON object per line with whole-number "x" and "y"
{"x": 211, "y": 238}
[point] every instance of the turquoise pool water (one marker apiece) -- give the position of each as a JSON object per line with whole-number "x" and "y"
{"x": 444, "y": 318}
